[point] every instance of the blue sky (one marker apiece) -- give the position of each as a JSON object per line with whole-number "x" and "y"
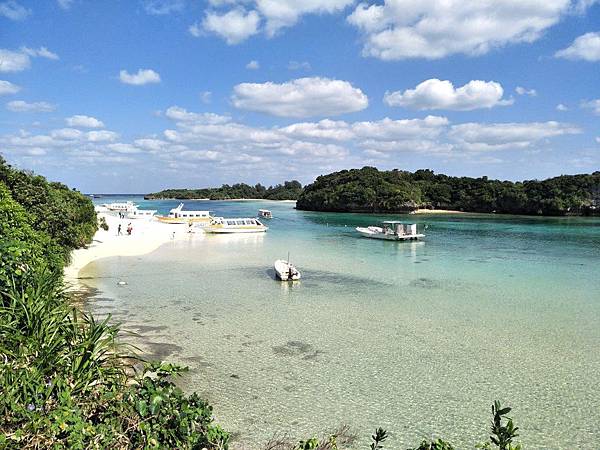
{"x": 139, "y": 95}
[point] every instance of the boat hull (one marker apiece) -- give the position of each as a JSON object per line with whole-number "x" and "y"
{"x": 234, "y": 230}
{"x": 282, "y": 269}
{"x": 373, "y": 234}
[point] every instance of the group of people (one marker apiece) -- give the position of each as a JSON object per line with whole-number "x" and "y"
{"x": 129, "y": 229}
{"x": 122, "y": 215}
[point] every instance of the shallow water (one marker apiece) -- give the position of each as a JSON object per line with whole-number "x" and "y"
{"x": 418, "y": 338}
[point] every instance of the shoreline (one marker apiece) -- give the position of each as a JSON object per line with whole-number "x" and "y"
{"x": 438, "y": 211}
{"x": 147, "y": 236}
{"x": 222, "y": 199}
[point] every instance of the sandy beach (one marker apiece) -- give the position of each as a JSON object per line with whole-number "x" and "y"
{"x": 437, "y": 211}
{"x": 147, "y": 236}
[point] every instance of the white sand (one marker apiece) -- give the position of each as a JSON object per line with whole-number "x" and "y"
{"x": 436, "y": 211}
{"x": 146, "y": 237}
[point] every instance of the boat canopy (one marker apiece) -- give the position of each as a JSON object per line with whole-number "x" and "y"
{"x": 392, "y": 222}
{"x": 264, "y": 210}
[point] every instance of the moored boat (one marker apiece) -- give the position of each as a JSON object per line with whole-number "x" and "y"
{"x": 222, "y": 225}
{"x": 265, "y": 213}
{"x": 392, "y": 230}
{"x": 120, "y": 206}
{"x": 136, "y": 213}
{"x": 180, "y": 216}
{"x": 286, "y": 271}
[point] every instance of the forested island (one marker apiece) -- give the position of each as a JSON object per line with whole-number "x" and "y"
{"x": 369, "y": 190}
{"x": 289, "y": 190}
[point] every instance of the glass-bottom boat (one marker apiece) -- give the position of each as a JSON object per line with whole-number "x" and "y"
{"x": 222, "y": 225}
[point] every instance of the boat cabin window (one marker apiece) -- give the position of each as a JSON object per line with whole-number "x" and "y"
{"x": 231, "y": 222}
{"x": 239, "y": 222}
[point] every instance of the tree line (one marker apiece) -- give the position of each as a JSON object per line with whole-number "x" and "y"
{"x": 371, "y": 190}
{"x": 289, "y": 190}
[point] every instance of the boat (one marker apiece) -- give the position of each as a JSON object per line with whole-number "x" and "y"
{"x": 222, "y": 225}
{"x": 120, "y": 206}
{"x": 180, "y": 216}
{"x": 286, "y": 271}
{"x": 265, "y": 213}
{"x": 392, "y": 230}
{"x": 136, "y": 213}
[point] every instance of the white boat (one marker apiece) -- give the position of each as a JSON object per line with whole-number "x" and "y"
{"x": 180, "y": 216}
{"x": 120, "y": 206}
{"x": 265, "y": 213}
{"x": 392, "y": 230}
{"x": 136, "y": 213}
{"x": 286, "y": 271}
{"x": 221, "y": 225}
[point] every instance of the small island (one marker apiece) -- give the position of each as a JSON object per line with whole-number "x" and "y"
{"x": 369, "y": 190}
{"x": 289, "y": 190}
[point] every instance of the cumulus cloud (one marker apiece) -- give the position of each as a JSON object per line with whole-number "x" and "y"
{"x": 17, "y": 61}
{"x": 401, "y": 29}
{"x": 182, "y": 115}
{"x": 253, "y": 65}
{"x": 163, "y": 7}
{"x": 585, "y": 47}
{"x": 243, "y": 18}
{"x": 502, "y": 136}
{"x": 561, "y": 107}
{"x": 81, "y": 121}
{"x": 303, "y": 97}
{"x": 143, "y": 76}
{"x": 13, "y": 10}
{"x": 594, "y": 105}
{"x": 101, "y": 136}
{"x": 234, "y": 26}
{"x": 22, "y": 106}
{"x": 7, "y": 88}
{"x": 524, "y": 91}
{"x": 441, "y": 94}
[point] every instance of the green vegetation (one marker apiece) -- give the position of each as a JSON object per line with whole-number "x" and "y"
{"x": 65, "y": 381}
{"x": 289, "y": 190}
{"x": 371, "y": 190}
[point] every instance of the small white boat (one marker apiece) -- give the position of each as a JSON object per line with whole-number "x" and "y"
{"x": 180, "y": 216}
{"x": 221, "y": 225}
{"x": 392, "y": 230}
{"x": 265, "y": 213}
{"x": 286, "y": 271}
{"x": 120, "y": 206}
{"x": 136, "y": 213}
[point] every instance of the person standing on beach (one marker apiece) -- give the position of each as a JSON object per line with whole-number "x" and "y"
{"x": 119, "y": 230}
{"x": 129, "y": 229}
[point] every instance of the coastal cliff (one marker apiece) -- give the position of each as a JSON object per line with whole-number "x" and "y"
{"x": 369, "y": 190}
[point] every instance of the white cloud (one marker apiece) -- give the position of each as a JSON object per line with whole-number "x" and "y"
{"x": 594, "y": 105}
{"x": 585, "y": 47}
{"x": 598, "y": 139}
{"x": 561, "y": 107}
{"x": 502, "y": 136}
{"x": 42, "y": 52}
{"x": 66, "y": 134}
{"x": 16, "y": 61}
{"x": 303, "y": 97}
{"x": 205, "y": 97}
{"x": 234, "y": 26}
{"x": 127, "y": 149}
{"x": 297, "y": 65}
{"x": 65, "y": 4}
{"x": 181, "y": 114}
{"x": 441, "y": 94}
{"x": 524, "y": 91}
{"x": 143, "y": 76}
{"x": 249, "y": 17}
{"x": 13, "y": 10}
{"x": 163, "y": 7}
{"x": 13, "y": 61}
{"x": 81, "y": 121}
{"x": 101, "y": 136}
{"x": 388, "y": 129}
{"x": 195, "y": 30}
{"x": 253, "y": 65}
{"x": 401, "y": 29}
{"x": 6, "y": 88}
{"x": 22, "y": 106}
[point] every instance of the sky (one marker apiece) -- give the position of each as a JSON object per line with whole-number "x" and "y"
{"x": 135, "y": 96}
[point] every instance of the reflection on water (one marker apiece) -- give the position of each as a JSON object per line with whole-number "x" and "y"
{"x": 417, "y": 337}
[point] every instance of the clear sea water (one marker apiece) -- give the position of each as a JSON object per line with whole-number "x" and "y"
{"x": 418, "y": 338}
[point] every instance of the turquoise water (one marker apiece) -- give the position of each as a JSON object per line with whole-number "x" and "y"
{"x": 418, "y": 338}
